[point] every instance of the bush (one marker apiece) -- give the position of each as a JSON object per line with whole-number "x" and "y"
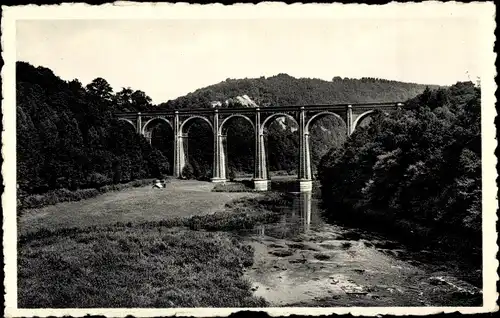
{"x": 232, "y": 187}
{"x": 96, "y": 180}
{"x": 187, "y": 171}
{"x": 231, "y": 174}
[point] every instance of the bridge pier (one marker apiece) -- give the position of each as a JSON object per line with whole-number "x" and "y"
{"x": 349, "y": 122}
{"x": 260, "y": 180}
{"x": 260, "y": 185}
{"x": 219, "y": 165}
{"x": 304, "y": 175}
{"x": 181, "y": 142}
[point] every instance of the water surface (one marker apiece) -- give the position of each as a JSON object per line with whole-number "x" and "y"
{"x": 302, "y": 260}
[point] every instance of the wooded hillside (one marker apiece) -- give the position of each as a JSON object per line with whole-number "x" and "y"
{"x": 67, "y": 138}
{"x": 416, "y": 172}
{"x": 282, "y": 90}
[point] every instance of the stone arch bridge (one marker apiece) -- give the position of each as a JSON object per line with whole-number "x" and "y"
{"x": 259, "y": 117}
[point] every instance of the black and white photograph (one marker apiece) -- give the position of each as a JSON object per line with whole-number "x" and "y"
{"x": 199, "y": 160}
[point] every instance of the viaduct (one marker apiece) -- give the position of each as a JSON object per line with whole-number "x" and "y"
{"x": 259, "y": 117}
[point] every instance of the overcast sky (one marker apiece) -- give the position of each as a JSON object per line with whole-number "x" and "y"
{"x": 170, "y": 58}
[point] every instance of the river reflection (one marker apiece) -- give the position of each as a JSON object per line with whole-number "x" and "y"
{"x": 302, "y": 260}
{"x": 302, "y": 216}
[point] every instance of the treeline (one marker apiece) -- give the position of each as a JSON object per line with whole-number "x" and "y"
{"x": 416, "y": 173}
{"x": 283, "y": 90}
{"x": 67, "y": 138}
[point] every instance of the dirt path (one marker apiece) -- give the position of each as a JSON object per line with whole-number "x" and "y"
{"x": 179, "y": 198}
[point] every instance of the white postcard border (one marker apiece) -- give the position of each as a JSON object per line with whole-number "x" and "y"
{"x": 484, "y": 11}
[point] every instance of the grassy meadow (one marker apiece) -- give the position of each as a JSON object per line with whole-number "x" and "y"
{"x": 135, "y": 267}
{"x": 180, "y": 198}
{"x": 170, "y": 252}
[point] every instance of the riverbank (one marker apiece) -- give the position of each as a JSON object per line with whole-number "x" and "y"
{"x": 301, "y": 260}
{"x": 151, "y": 248}
{"x": 446, "y": 244}
{"x": 135, "y": 267}
{"x": 177, "y": 261}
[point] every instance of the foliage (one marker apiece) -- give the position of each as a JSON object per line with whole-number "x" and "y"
{"x": 283, "y": 89}
{"x": 67, "y": 138}
{"x": 187, "y": 171}
{"x": 232, "y": 187}
{"x": 418, "y": 170}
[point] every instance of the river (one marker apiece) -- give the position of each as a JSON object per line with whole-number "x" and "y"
{"x": 302, "y": 260}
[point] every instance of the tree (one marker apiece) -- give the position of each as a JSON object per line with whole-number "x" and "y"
{"x": 421, "y": 166}
{"x": 66, "y": 137}
{"x": 100, "y": 88}
{"x": 158, "y": 164}
{"x": 140, "y": 100}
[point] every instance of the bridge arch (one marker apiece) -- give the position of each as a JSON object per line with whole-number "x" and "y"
{"x": 184, "y": 122}
{"x": 163, "y": 119}
{"x": 233, "y": 116}
{"x": 321, "y": 114}
{"x": 361, "y": 117}
{"x": 233, "y": 152}
{"x": 127, "y": 121}
{"x": 276, "y": 115}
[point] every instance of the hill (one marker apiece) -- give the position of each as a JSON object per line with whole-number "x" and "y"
{"x": 66, "y": 137}
{"x": 281, "y": 90}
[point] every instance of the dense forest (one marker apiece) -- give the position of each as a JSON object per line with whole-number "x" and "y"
{"x": 417, "y": 171}
{"x": 68, "y": 139}
{"x": 283, "y": 89}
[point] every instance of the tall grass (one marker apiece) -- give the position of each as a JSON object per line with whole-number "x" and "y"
{"x": 177, "y": 262}
{"x": 135, "y": 267}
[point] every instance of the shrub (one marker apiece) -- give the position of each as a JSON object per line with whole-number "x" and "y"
{"x": 187, "y": 171}
{"x": 232, "y": 174}
{"x": 96, "y": 180}
{"x": 232, "y": 187}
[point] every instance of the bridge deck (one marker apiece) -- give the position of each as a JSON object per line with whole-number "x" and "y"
{"x": 275, "y": 109}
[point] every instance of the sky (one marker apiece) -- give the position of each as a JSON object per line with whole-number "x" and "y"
{"x": 168, "y": 58}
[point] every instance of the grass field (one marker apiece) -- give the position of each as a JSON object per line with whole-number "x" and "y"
{"x": 179, "y": 198}
{"x": 168, "y": 250}
{"x": 135, "y": 267}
